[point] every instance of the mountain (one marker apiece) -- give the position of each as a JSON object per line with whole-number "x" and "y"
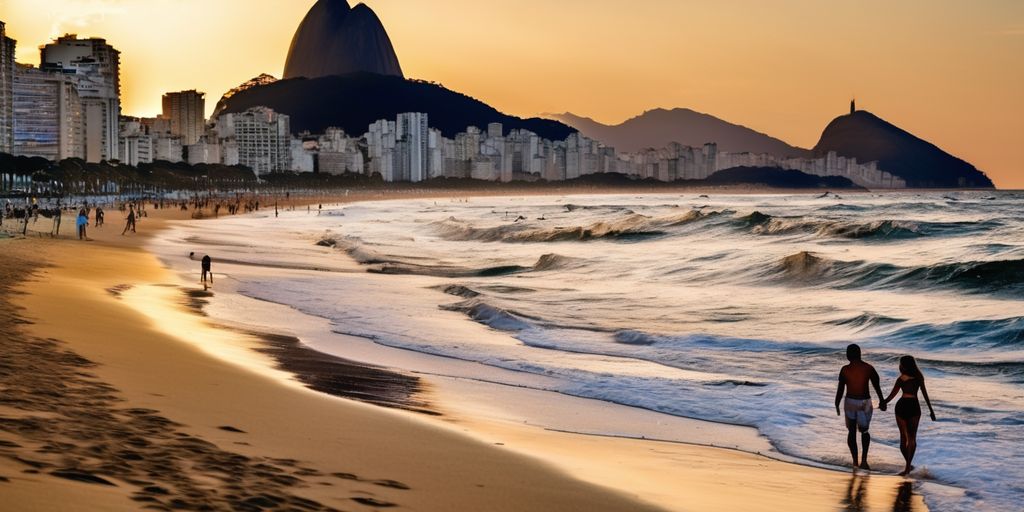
{"x": 354, "y": 101}
{"x": 658, "y": 128}
{"x": 263, "y": 79}
{"x": 867, "y": 137}
{"x": 778, "y": 178}
{"x": 335, "y": 39}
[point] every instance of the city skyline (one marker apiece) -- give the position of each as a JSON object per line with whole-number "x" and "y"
{"x": 949, "y": 77}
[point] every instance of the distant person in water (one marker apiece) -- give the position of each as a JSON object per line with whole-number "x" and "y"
{"x": 853, "y": 382}
{"x": 130, "y": 224}
{"x": 207, "y": 262}
{"x": 908, "y": 408}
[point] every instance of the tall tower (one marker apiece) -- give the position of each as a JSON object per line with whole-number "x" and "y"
{"x": 97, "y": 68}
{"x": 853, "y": 106}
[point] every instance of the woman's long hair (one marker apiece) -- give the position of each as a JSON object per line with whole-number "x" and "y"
{"x": 908, "y": 366}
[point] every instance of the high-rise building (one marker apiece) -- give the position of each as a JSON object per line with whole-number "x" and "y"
{"x": 413, "y": 147}
{"x": 96, "y": 66}
{"x": 7, "y": 46}
{"x": 495, "y": 130}
{"x": 136, "y": 145}
{"x": 263, "y": 138}
{"x": 186, "y": 111}
{"x": 47, "y": 115}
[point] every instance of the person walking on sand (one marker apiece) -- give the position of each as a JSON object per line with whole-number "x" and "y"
{"x": 853, "y": 381}
{"x": 908, "y": 408}
{"x": 130, "y": 224}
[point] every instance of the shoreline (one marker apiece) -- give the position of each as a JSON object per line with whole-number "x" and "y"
{"x": 648, "y": 472}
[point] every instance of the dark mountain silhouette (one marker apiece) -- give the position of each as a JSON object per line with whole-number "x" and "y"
{"x": 867, "y": 137}
{"x": 334, "y": 39}
{"x": 776, "y": 177}
{"x": 658, "y": 128}
{"x": 263, "y": 79}
{"x": 352, "y": 102}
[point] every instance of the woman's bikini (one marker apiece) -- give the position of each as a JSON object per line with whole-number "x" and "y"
{"x": 908, "y": 406}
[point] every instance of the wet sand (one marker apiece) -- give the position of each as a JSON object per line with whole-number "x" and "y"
{"x": 108, "y": 408}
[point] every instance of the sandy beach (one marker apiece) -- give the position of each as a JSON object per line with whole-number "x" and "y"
{"x": 118, "y": 393}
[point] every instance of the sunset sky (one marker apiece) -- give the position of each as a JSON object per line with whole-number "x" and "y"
{"x": 949, "y": 71}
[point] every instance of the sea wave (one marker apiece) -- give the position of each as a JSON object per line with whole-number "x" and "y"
{"x": 633, "y": 226}
{"x": 490, "y": 315}
{"x": 806, "y": 268}
{"x": 881, "y": 230}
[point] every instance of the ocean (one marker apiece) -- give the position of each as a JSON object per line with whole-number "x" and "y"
{"x": 729, "y": 308}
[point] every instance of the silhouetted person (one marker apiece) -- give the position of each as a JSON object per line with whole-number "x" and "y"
{"x": 99, "y": 216}
{"x": 853, "y": 381}
{"x": 57, "y": 213}
{"x": 908, "y": 409}
{"x": 207, "y": 262}
{"x": 130, "y": 224}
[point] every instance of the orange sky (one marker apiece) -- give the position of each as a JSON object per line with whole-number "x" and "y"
{"x": 949, "y": 71}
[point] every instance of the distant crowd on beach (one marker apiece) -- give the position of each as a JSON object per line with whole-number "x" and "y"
{"x": 92, "y": 214}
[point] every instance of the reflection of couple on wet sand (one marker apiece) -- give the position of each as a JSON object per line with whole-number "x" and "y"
{"x": 857, "y": 499}
{"x": 854, "y": 381}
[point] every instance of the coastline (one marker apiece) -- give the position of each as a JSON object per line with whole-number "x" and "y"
{"x": 532, "y": 467}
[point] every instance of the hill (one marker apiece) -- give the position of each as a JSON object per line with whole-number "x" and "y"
{"x": 776, "y": 177}
{"x": 660, "y": 127}
{"x": 867, "y": 137}
{"x": 354, "y": 101}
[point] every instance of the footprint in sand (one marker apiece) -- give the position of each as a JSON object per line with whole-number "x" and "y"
{"x": 81, "y": 476}
{"x": 392, "y": 484}
{"x": 370, "y": 502}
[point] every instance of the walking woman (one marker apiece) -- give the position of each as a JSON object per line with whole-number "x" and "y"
{"x": 908, "y": 408}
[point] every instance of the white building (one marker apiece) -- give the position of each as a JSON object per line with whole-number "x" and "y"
{"x": 262, "y": 138}
{"x": 136, "y": 145}
{"x": 96, "y": 66}
{"x": 47, "y": 115}
{"x": 7, "y": 47}
{"x": 168, "y": 148}
{"x": 203, "y": 152}
{"x": 339, "y": 153}
{"x": 413, "y": 147}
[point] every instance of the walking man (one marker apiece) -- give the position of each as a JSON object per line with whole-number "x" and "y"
{"x": 130, "y": 224}
{"x": 853, "y": 382}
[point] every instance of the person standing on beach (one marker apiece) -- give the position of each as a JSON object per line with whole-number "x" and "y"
{"x": 82, "y": 222}
{"x": 57, "y": 213}
{"x": 908, "y": 409}
{"x": 853, "y": 382}
{"x": 130, "y": 224}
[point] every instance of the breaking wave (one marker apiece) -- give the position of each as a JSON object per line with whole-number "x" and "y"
{"x": 1005, "y": 276}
